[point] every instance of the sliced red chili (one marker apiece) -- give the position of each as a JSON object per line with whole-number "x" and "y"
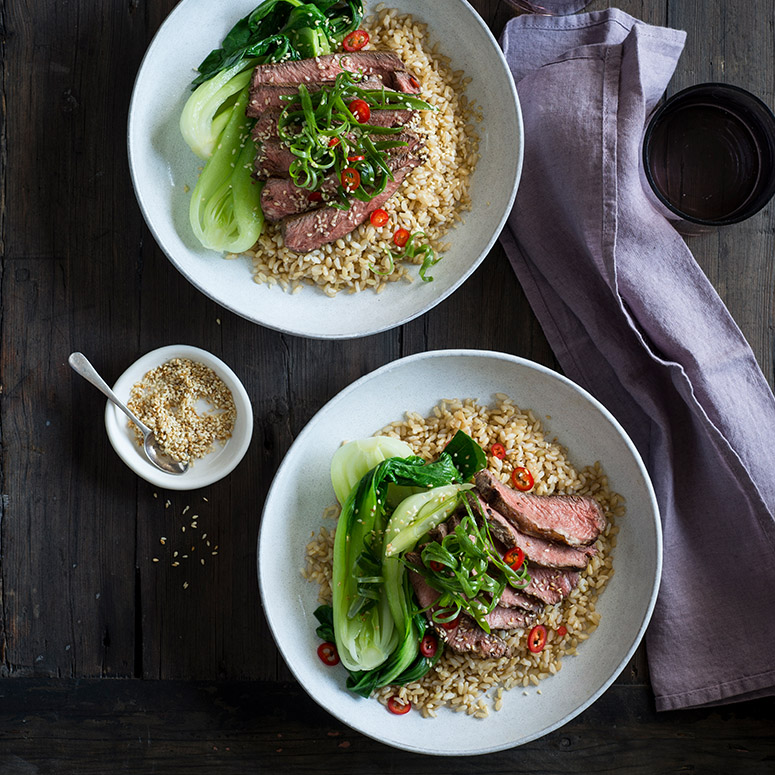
{"x": 414, "y": 82}
{"x": 379, "y": 217}
{"x": 451, "y": 625}
{"x": 401, "y": 237}
{"x": 361, "y": 110}
{"x": 436, "y": 566}
{"x": 522, "y": 479}
{"x": 429, "y": 645}
{"x": 498, "y": 450}
{"x": 397, "y": 706}
{"x": 514, "y": 558}
{"x": 333, "y": 142}
{"x": 328, "y": 654}
{"x": 536, "y": 638}
{"x": 350, "y": 178}
{"x": 356, "y": 40}
{"x": 562, "y": 630}
{"x": 355, "y": 158}
{"x": 315, "y": 196}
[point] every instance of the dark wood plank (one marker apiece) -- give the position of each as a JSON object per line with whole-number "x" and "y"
{"x": 233, "y": 727}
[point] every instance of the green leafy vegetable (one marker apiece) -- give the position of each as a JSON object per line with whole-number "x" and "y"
{"x": 355, "y": 458}
{"x": 279, "y": 30}
{"x": 410, "y": 251}
{"x": 225, "y": 209}
{"x": 472, "y": 575}
{"x": 398, "y": 669}
{"x": 466, "y": 454}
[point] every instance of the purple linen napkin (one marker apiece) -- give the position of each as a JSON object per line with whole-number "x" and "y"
{"x": 632, "y": 318}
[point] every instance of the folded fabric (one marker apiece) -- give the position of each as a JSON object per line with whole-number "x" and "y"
{"x": 632, "y": 318}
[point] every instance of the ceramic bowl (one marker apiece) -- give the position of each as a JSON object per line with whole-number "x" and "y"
{"x": 164, "y": 171}
{"x": 302, "y": 490}
{"x": 204, "y": 471}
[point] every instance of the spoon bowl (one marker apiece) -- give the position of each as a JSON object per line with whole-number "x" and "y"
{"x": 80, "y": 363}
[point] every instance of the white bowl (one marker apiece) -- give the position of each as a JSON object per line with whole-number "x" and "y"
{"x": 204, "y": 471}
{"x": 163, "y": 167}
{"x": 293, "y": 511}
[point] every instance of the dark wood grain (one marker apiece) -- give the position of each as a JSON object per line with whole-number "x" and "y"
{"x": 81, "y": 598}
{"x": 233, "y": 727}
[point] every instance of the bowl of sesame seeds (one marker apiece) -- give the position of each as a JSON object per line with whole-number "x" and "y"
{"x": 197, "y": 408}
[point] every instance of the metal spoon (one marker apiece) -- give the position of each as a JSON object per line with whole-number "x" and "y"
{"x": 164, "y": 462}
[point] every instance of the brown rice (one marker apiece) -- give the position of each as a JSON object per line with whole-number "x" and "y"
{"x": 464, "y": 683}
{"x": 432, "y": 198}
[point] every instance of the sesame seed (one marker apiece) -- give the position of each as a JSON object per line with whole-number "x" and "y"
{"x": 175, "y": 564}
{"x": 185, "y": 585}
{"x": 162, "y": 540}
{"x": 202, "y": 561}
{"x": 186, "y": 509}
{"x": 156, "y": 559}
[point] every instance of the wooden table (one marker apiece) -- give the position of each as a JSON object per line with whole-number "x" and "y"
{"x": 197, "y": 681}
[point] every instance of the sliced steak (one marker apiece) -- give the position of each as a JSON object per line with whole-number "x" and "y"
{"x": 550, "y": 585}
{"x": 502, "y": 618}
{"x": 514, "y": 598}
{"x": 267, "y": 96}
{"x": 575, "y": 520}
{"x": 311, "y": 230}
{"x": 467, "y": 637}
{"x": 383, "y": 65}
{"x": 273, "y": 159}
{"x": 550, "y": 554}
{"x": 266, "y": 126}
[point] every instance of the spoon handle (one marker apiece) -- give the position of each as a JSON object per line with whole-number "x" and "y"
{"x": 80, "y": 363}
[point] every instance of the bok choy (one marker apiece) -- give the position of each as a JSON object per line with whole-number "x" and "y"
{"x": 376, "y": 626}
{"x": 225, "y": 211}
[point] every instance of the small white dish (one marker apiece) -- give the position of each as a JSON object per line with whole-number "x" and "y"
{"x": 204, "y": 471}
{"x": 293, "y": 511}
{"x": 164, "y": 172}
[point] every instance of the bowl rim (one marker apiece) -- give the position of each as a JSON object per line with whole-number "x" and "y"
{"x": 342, "y": 396}
{"x": 253, "y": 316}
{"x": 191, "y": 480}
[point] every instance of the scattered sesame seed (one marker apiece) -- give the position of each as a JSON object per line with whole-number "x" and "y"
{"x": 185, "y": 585}
{"x": 204, "y": 535}
{"x": 167, "y": 504}
{"x": 156, "y": 559}
{"x": 183, "y": 529}
{"x": 213, "y": 553}
{"x": 174, "y": 554}
{"x": 175, "y": 564}
{"x": 193, "y": 525}
{"x": 202, "y": 561}
{"x": 155, "y": 495}
{"x": 205, "y": 499}
{"x": 186, "y": 509}
{"x": 162, "y": 540}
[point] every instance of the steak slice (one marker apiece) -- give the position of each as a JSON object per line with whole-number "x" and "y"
{"x": 315, "y": 228}
{"x": 550, "y": 585}
{"x": 575, "y": 520}
{"x": 469, "y": 638}
{"x": 540, "y": 551}
{"x": 274, "y": 158}
{"x": 266, "y": 126}
{"x": 267, "y": 96}
{"x": 514, "y": 598}
{"x": 383, "y": 65}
